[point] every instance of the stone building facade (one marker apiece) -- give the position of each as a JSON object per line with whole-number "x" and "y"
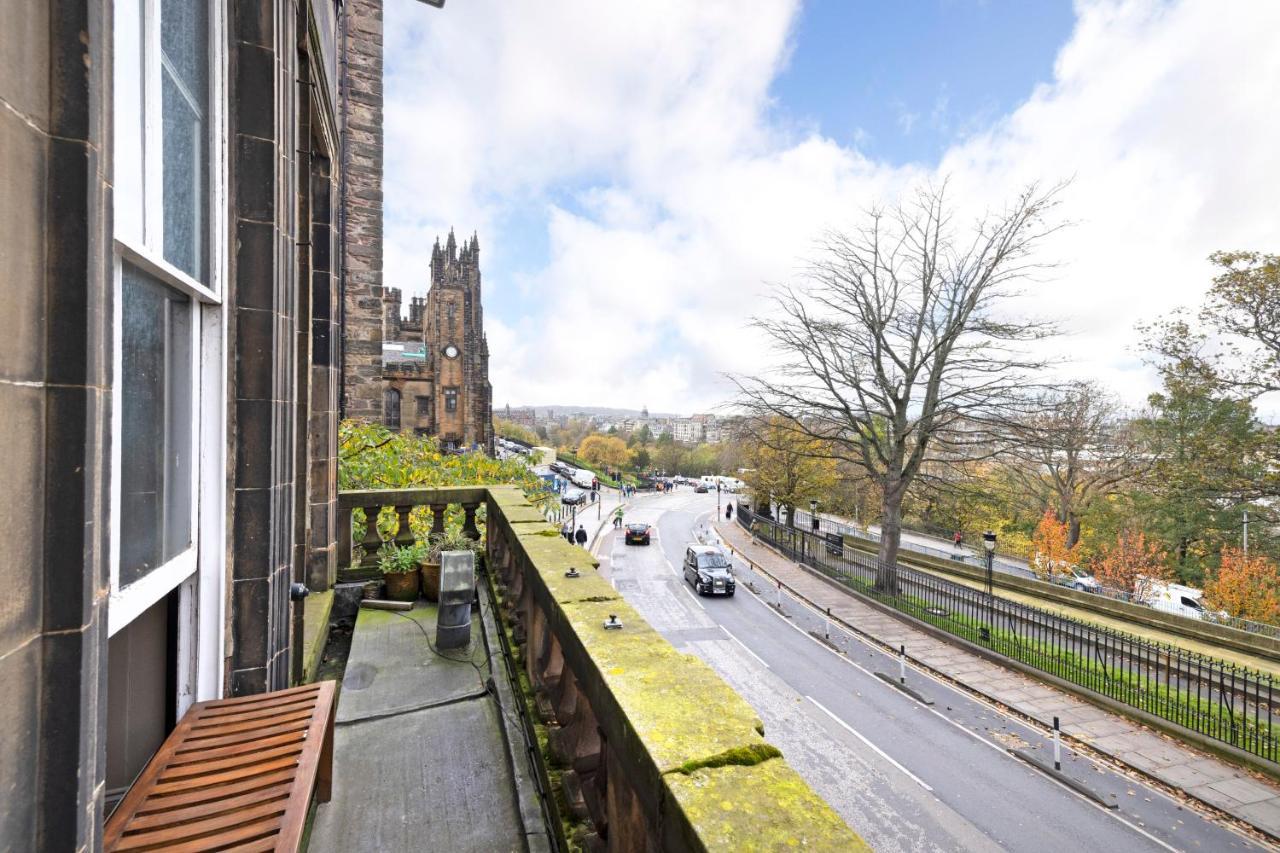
{"x": 169, "y": 374}
{"x": 361, "y": 190}
{"x": 435, "y": 372}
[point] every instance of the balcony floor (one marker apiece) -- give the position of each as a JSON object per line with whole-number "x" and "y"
{"x": 420, "y": 760}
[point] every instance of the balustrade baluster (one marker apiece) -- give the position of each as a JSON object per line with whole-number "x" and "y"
{"x": 469, "y": 528}
{"x": 371, "y": 541}
{"x": 437, "y": 518}
{"x": 404, "y": 536}
{"x": 344, "y": 538}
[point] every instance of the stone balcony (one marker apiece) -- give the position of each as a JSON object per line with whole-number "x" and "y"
{"x": 634, "y": 745}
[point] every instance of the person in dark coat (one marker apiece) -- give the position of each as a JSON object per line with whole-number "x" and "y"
{"x": 581, "y": 536}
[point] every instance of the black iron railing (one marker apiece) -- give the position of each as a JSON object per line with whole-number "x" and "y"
{"x": 1228, "y": 703}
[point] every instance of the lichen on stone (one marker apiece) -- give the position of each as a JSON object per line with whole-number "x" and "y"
{"x": 740, "y": 756}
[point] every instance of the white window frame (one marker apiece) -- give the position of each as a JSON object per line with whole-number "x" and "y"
{"x": 199, "y": 571}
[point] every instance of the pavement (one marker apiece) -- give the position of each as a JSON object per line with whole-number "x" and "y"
{"x": 1245, "y": 796}
{"x": 420, "y": 753}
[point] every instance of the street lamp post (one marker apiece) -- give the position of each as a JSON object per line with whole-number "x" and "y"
{"x": 989, "y": 543}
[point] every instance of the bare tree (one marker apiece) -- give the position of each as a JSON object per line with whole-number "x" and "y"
{"x": 892, "y": 349}
{"x": 1077, "y": 448}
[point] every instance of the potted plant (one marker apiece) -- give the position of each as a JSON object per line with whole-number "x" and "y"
{"x": 438, "y": 543}
{"x": 398, "y": 565}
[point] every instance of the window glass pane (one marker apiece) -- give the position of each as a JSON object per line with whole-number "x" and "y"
{"x": 184, "y": 58}
{"x": 155, "y": 432}
{"x": 391, "y": 408}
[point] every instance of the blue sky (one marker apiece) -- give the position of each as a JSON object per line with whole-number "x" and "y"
{"x": 641, "y": 174}
{"x": 902, "y": 80}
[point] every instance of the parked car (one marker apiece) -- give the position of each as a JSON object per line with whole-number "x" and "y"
{"x": 701, "y": 488}
{"x": 637, "y": 534}
{"x": 1078, "y": 579}
{"x": 709, "y": 570}
{"x": 573, "y": 496}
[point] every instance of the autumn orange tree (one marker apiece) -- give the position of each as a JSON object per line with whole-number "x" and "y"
{"x": 604, "y": 450}
{"x": 1132, "y": 564}
{"x": 1247, "y": 586}
{"x": 1051, "y": 553}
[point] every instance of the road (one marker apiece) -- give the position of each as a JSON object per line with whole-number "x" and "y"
{"x": 906, "y": 776}
{"x": 922, "y": 543}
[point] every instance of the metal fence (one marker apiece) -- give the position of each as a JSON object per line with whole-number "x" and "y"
{"x": 972, "y": 558}
{"x": 1229, "y": 703}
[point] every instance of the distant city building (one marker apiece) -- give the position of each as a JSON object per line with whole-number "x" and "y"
{"x": 524, "y": 416}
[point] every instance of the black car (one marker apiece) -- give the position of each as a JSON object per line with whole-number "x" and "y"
{"x": 637, "y": 534}
{"x": 701, "y": 489}
{"x": 709, "y": 570}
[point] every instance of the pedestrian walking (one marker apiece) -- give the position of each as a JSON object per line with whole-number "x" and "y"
{"x": 957, "y": 538}
{"x": 617, "y": 517}
{"x": 728, "y": 512}
{"x": 593, "y": 497}
{"x": 581, "y": 536}
{"x": 566, "y": 530}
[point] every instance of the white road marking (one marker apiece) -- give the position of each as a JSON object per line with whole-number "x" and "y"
{"x": 744, "y": 647}
{"x": 694, "y": 597}
{"x": 979, "y": 738}
{"x": 880, "y": 752}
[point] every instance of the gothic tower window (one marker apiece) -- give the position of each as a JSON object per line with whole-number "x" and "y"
{"x": 424, "y": 406}
{"x": 451, "y": 399}
{"x": 391, "y": 409}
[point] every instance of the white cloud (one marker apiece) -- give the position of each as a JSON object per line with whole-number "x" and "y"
{"x": 642, "y": 133}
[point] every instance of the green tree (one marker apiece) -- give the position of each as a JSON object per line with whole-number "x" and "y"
{"x": 669, "y": 457}
{"x": 1207, "y": 463}
{"x": 642, "y": 437}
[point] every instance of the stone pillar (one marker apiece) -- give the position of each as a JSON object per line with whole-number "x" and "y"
{"x": 361, "y": 189}
{"x": 263, "y": 337}
{"x": 55, "y": 403}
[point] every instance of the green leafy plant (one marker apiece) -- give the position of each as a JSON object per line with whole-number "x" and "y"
{"x": 450, "y": 540}
{"x": 394, "y": 559}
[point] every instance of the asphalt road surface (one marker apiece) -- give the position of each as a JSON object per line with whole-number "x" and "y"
{"x": 906, "y": 776}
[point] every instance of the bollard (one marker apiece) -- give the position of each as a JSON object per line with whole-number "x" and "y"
{"x": 457, "y": 590}
{"x": 1057, "y": 745}
{"x": 779, "y": 604}
{"x": 902, "y": 664}
{"x": 826, "y": 624}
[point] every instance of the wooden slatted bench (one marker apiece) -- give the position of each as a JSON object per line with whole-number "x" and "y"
{"x": 236, "y": 774}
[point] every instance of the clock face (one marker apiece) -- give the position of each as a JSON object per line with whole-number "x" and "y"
{"x": 451, "y": 351}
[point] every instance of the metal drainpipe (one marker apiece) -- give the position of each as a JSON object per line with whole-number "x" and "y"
{"x": 342, "y": 225}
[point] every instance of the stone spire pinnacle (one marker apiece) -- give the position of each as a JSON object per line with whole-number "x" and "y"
{"x": 451, "y": 247}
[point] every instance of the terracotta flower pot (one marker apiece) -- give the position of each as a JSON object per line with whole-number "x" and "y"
{"x": 401, "y": 586}
{"x": 430, "y": 579}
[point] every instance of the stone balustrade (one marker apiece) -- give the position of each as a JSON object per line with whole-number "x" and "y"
{"x": 653, "y": 750}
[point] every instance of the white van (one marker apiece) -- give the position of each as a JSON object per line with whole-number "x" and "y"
{"x": 1175, "y": 598}
{"x": 582, "y": 477}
